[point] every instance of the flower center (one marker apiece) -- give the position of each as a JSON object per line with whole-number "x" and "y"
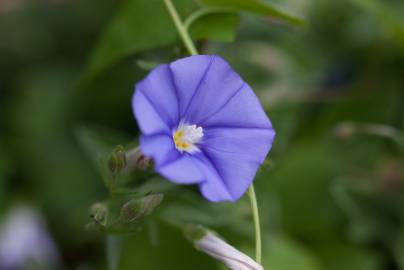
{"x": 186, "y": 136}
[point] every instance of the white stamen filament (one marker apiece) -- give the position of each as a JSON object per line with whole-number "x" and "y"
{"x": 186, "y": 137}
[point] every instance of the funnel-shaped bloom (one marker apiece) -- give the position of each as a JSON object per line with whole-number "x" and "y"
{"x": 202, "y": 124}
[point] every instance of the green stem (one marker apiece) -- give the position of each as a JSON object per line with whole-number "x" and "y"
{"x": 182, "y": 31}
{"x": 254, "y": 209}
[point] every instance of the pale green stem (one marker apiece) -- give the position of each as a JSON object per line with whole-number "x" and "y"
{"x": 254, "y": 209}
{"x": 182, "y": 31}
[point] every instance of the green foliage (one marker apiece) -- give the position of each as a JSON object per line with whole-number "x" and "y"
{"x": 342, "y": 256}
{"x": 122, "y": 37}
{"x": 3, "y": 177}
{"x": 299, "y": 202}
{"x": 399, "y": 249}
{"x": 285, "y": 254}
{"x": 388, "y": 17}
{"x": 258, "y": 7}
{"x": 137, "y": 26}
{"x": 172, "y": 252}
{"x": 217, "y": 26}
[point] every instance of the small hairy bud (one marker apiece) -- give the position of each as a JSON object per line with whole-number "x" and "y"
{"x": 138, "y": 208}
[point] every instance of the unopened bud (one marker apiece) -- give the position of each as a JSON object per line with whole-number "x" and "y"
{"x": 138, "y": 208}
{"x": 121, "y": 160}
{"x": 99, "y": 213}
{"x": 211, "y": 244}
{"x": 136, "y": 160}
{"x": 117, "y": 160}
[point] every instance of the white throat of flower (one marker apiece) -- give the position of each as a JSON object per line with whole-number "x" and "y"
{"x": 186, "y": 137}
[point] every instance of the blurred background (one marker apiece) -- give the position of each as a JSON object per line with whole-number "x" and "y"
{"x": 330, "y": 194}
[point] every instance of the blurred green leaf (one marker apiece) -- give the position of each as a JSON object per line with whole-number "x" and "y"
{"x": 141, "y": 25}
{"x": 386, "y": 15}
{"x": 258, "y": 7}
{"x": 215, "y": 26}
{"x": 138, "y": 25}
{"x": 4, "y": 164}
{"x": 147, "y": 65}
{"x": 283, "y": 253}
{"x": 99, "y": 144}
{"x": 300, "y": 181}
{"x": 190, "y": 208}
{"x": 98, "y": 151}
{"x": 399, "y": 249}
{"x": 337, "y": 256}
{"x": 172, "y": 252}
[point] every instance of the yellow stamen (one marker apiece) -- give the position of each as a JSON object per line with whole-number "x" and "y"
{"x": 186, "y": 136}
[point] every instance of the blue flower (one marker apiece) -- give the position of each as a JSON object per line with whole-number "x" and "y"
{"x": 202, "y": 124}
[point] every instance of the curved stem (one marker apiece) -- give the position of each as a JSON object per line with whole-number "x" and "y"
{"x": 182, "y": 31}
{"x": 254, "y": 209}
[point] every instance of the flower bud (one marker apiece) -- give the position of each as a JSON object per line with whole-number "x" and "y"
{"x": 136, "y": 160}
{"x": 138, "y": 208}
{"x": 117, "y": 160}
{"x": 211, "y": 244}
{"x": 99, "y": 213}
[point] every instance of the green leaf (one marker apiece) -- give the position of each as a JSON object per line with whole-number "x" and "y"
{"x": 99, "y": 144}
{"x": 399, "y": 249}
{"x": 310, "y": 178}
{"x": 190, "y": 208}
{"x": 220, "y": 26}
{"x": 141, "y": 25}
{"x": 138, "y": 25}
{"x": 336, "y": 256}
{"x": 172, "y": 252}
{"x": 285, "y": 254}
{"x": 257, "y": 7}
{"x": 388, "y": 16}
{"x": 4, "y": 164}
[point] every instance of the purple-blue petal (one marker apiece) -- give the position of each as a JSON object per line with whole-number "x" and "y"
{"x": 160, "y": 147}
{"x": 160, "y": 94}
{"x": 147, "y": 117}
{"x": 250, "y": 144}
{"x": 182, "y": 170}
{"x": 233, "y": 156}
{"x": 242, "y": 111}
{"x": 177, "y": 167}
{"x": 213, "y": 188}
{"x": 213, "y": 85}
{"x": 188, "y": 74}
{"x": 236, "y": 175}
